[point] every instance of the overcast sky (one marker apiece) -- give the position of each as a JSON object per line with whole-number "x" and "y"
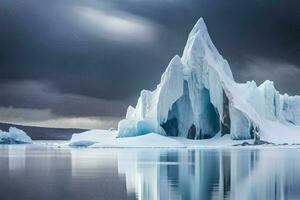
{"x": 71, "y": 63}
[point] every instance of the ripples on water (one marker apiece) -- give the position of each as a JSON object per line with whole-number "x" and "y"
{"x": 46, "y": 172}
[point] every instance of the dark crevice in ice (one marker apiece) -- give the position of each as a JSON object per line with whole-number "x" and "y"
{"x": 225, "y": 127}
{"x": 252, "y": 131}
{"x": 171, "y": 127}
{"x": 192, "y": 132}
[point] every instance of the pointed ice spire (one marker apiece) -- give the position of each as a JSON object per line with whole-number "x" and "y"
{"x": 200, "y": 49}
{"x": 199, "y": 26}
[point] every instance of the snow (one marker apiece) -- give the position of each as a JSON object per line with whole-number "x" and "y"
{"x": 91, "y": 137}
{"x": 150, "y": 140}
{"x": 110, "y": 139}
{"x": 198, "y": 98}
{"x": 217, "y": 141}
{"x": 14, "y": 136}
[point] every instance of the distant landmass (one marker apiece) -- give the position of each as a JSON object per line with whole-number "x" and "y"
{"x": 43, "y": 133}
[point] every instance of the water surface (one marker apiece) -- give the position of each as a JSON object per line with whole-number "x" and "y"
{"x": 41, "y": 171}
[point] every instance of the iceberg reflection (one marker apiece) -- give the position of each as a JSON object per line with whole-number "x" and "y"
{"x": 211, "y": 174}
{"x": 16, "y": 158}
{"x": 236, "y": 173}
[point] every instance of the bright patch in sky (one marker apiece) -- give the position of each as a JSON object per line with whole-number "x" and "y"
{"x": 117, "y": 25}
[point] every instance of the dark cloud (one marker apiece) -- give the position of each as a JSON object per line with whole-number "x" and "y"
{"x": 283, "y": 74}
{"x": 92, "y": 58}
{"x": 38, "y": 95}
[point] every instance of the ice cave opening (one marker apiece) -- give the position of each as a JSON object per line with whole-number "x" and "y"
{"x": 198, "y": 120}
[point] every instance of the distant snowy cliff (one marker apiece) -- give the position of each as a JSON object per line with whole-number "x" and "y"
{"x": 198, "y": 98}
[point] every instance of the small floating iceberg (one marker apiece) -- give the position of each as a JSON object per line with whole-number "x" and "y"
{"x": 14, "y": 136}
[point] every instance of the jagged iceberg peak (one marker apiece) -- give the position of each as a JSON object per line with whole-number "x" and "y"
{"x": 200, "y": 48}
{"x": 197, "y": 98}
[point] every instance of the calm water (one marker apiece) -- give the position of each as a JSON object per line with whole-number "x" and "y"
{"x": 47, "y": 172}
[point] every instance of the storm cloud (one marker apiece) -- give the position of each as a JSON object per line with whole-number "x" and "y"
{"x": 90, "y": 59}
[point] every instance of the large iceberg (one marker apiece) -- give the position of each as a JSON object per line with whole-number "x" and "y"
{"x": 197, "y": 98}
{"x": 14, "y": 136}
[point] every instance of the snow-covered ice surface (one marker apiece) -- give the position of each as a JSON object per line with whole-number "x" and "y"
{"x": 110, "y": 139}
{"x": 150, "y": 140}
{"x": 217, "y": 141}
{"x": 14, "y": 136}
{"x": 91, "y": 137}
{"x": 197, "y": 98}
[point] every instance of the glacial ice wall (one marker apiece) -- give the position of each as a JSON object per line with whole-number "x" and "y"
{"x": 197, "y": 97}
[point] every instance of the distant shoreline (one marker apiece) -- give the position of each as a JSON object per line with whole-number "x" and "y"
{"x": 44, "y": 133}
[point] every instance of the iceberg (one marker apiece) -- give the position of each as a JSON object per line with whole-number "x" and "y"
{"x": 14, "y": 136}
{"x": 198, "y": 98}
